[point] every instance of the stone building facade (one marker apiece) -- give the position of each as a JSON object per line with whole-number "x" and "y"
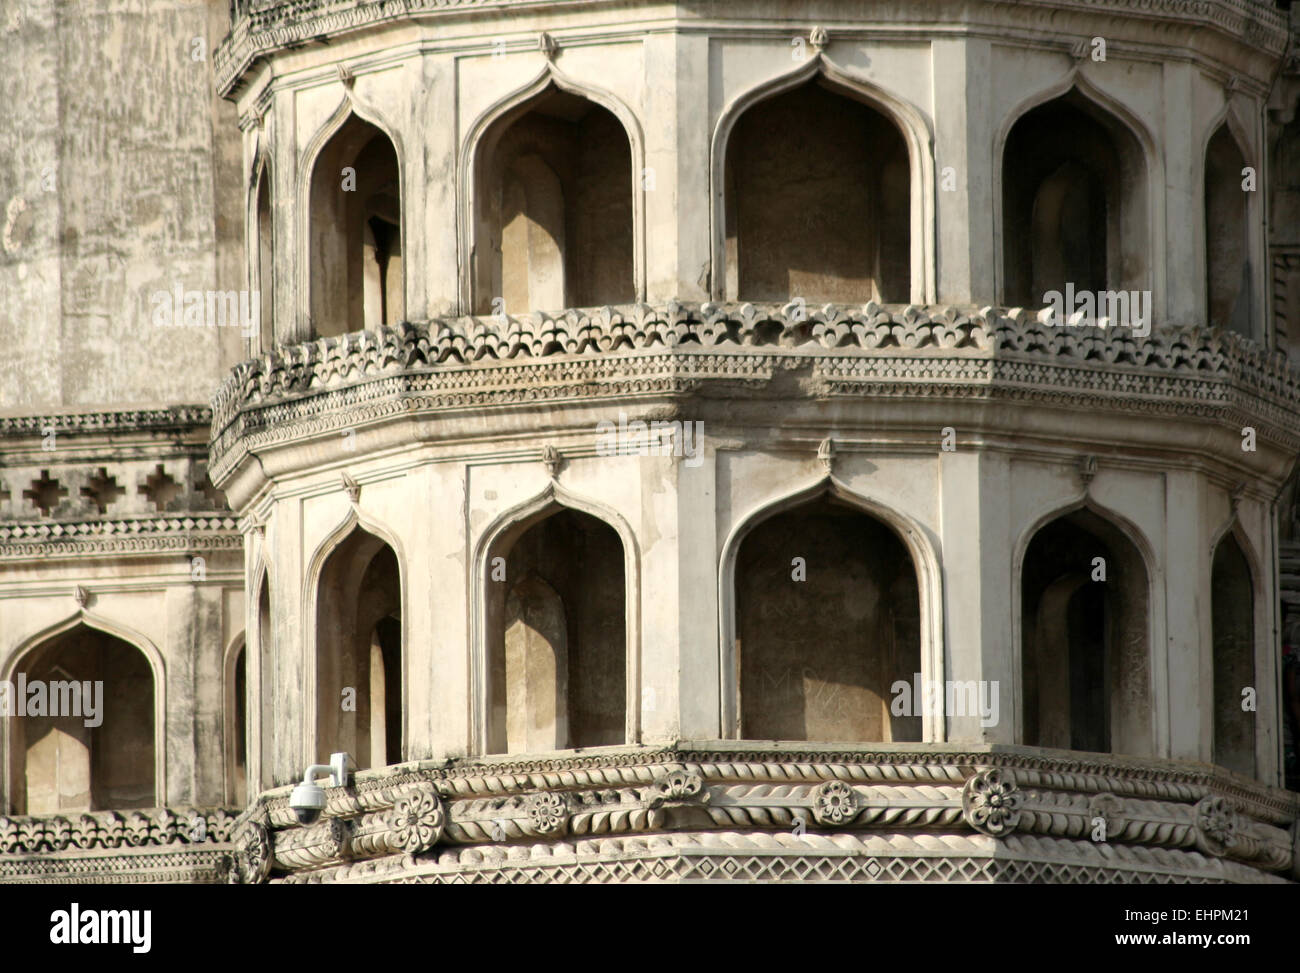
{"x": 654, "y": 454}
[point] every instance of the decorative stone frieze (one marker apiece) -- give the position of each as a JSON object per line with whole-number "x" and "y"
{"x": 893, "y": 351}
{"x": 1160, "y": 822}
{"x": 150, "y": 845}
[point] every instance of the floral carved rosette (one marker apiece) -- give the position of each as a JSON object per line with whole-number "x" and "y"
{"x": 1110, "y": 809}
{"x": 678, "y": 785}
{"x": 991, "y": 803}
{"x": 417, "y": 821}
{"x": 1218, "y": 825}
{"x": 253, "y": 862}
{"x": 548, "y": 812}
{"x": 835, "y": 803}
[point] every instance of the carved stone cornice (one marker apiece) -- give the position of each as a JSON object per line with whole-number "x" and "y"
{"x": 169, "y": 419}
{"x": 931, "y": 353}
{"x": 121, "y": 537}
{"x": 265, "y": 28}
{"x": 1153, "y": 810}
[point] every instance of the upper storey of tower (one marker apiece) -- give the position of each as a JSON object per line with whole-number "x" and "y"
{"x": 408, "y": 161}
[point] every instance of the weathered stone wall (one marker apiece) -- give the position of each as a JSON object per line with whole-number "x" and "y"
{"x": 118, "y": 178}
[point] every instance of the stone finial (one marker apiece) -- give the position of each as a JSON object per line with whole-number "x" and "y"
{"x": 352, "y": 487}
{"x": 81, "y": 596}
{"x": 1087, "y": 470}
{"x": 1230, "y": 85}
{"x": 818, "y": 38}
{"x": 553, "y": 460}
{"x": 546, "y": 44}
{"x": 826, "y": 453}
{"x": 345, "y": 75}
{"x": 1238, "y": 491}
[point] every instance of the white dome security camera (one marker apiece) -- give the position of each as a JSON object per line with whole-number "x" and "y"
{"x": 308, "y": 799}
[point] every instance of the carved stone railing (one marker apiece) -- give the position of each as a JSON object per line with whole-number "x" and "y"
{"x": 1050, "y": 809}
{"x": 874, "y": 349}
{"x": 263, "y": 26}
{"x": 170, "y": 419}
{"x": 150, "y": 845}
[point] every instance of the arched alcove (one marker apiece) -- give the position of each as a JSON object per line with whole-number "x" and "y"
{"x": 88, "y": 744}
{"x": 554, "y": 208}
{"x": 1074, "y": 203}
{"x": 817, "y": 200}
{"x": 1232, "y": 611}
{"x": 264, "y": 263}
{"x": 359, "y": 652}
{"x": 1227, "y": 247}
{"x": 556, "y": 634}
{"x": 827, "y": 621}
{"x": 355, "y": 232}
{"x": 1085, "y": 666}
{"x": 236, "y": 725}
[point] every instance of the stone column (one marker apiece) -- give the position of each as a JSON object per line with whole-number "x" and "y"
{"x": 678, "y": 127}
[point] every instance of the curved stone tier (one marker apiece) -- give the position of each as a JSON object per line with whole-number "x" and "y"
{"x": 927, "y": 352}
{"x": 746, "y": 812}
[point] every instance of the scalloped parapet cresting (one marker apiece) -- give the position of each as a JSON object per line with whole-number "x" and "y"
{"x": 843, "y": 329}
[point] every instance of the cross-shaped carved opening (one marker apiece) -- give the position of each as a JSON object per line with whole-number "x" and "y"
{"x": 160, "y": 488}
{"x": 216, "y": 498}
{"x": 102, "y": 490}
{"x": 45, "y": 493}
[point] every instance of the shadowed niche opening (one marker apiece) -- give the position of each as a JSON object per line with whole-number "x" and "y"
{"x": 1073, "y": 203}
{"x": 265, "y": 266}
{"x": 828, "y": 619}
{"x": 557, "y": 636}
{"x": 1227, "y": 260}
{"x": 1232, "y": 610}
{"x": 554, "y": 209}
{"x": 1084, "y": 641}
{"x": 59, "y": 763}
{"x": 818, "y": 201}
{"x": 359, "y": 653}
{"x": 356, "y": 232}
{"x": 236, "y": 738}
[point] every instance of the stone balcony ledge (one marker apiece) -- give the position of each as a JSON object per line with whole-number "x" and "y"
{"x": 923, "y": 353}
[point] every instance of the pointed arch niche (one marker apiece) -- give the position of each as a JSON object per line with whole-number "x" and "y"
{"x": 827, "y": 602}
{"x": 1228, "y": 272}
{"x": 359, "y": 674}
{"x": 554, "y": 206}
{"x": 57, "y": 763}
{"x": 832, "y": 224}
{"x": 354, "y": 267}
{"x": 557, "y": 633}
{"x": 264, "y": 261}
{"x": 1232, "y": 613}
{"x": 1075, "y": 204}
{"x": 235, "y": 722}
{"x": 1085, "y": 638}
